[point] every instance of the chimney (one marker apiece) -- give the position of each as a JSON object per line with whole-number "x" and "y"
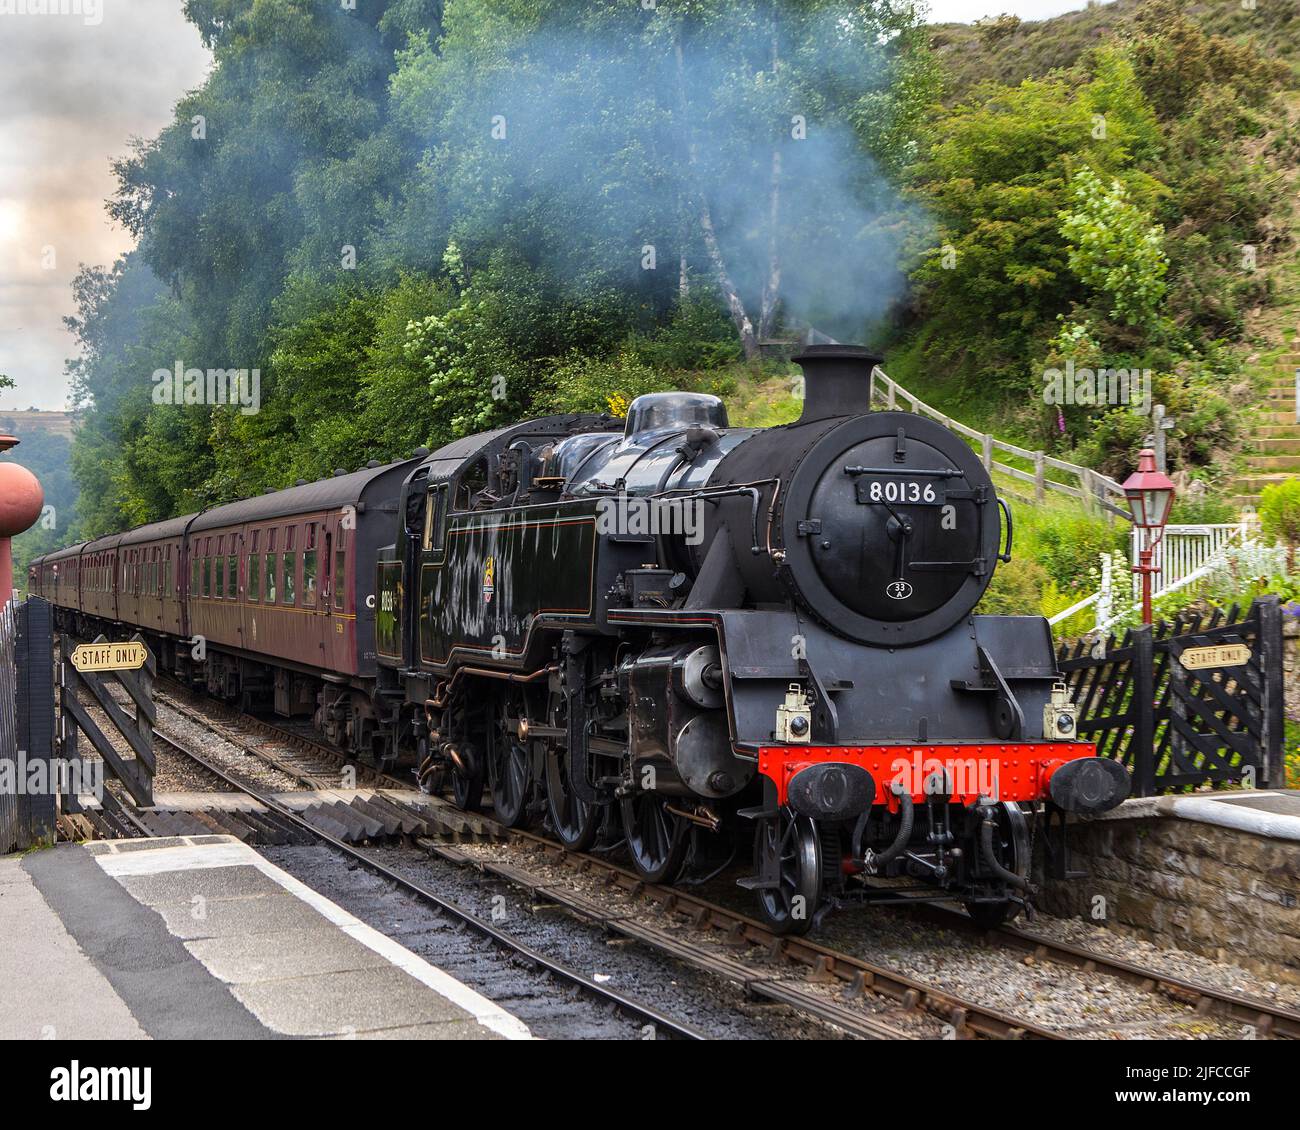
{"x": 837, "y": 380}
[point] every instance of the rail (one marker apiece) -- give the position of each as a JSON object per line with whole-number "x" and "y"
{"x": 1089, "y": 486}
{"x": 1186, "y": 554}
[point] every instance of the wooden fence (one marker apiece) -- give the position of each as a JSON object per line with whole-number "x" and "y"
{"x": 1077, "y": 482}
{"x": 134, "y": 773}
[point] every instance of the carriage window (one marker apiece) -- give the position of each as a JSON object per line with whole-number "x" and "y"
{"x": 340, "y": 573}
{"x": 290, "y": 571}
{"x": 435, "y": 518}
{"x": 289, "y": 537}
{"x": 309, "y": 577}
{"x": 195, "y": 565}
{"x": 218, "y": 589}
{"x": 270, "y": 578}
{"x": 254, "y": 578}
{"x": 168, "y": 575}
{"x": 207, "y": 576}
{"x": 232, "y": 578}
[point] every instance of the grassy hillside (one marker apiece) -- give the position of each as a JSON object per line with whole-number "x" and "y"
{"x": 1009, "y": 50}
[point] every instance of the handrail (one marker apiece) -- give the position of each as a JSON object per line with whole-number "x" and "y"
{"x": 1232, "y": 535}
{"x": 1092, "y": 484}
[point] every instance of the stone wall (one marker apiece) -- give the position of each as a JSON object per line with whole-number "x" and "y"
{"x": 1227, "y": 894}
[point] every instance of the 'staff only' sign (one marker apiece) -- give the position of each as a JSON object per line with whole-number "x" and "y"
{"x": 90, "y": 657}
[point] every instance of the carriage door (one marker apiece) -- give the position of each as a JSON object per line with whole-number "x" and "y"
{"x": 335, "y": 627}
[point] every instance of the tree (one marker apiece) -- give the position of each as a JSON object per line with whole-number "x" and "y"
{"x": 1115, "y": 248}
{"x": 750, "y": 141}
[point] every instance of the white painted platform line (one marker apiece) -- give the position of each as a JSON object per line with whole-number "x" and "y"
{"x": 192, "y": 857}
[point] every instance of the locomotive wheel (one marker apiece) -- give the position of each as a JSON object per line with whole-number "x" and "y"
{"x": 574, "y": 821}
{"x": 1011, "y": 844}
{"x": 656, "y": 838}
{"x": 509, "y": 768}
{"x": 793, "y": 840}
{"x": 467, "y": 783}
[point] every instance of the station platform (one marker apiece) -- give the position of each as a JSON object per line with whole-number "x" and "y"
{"x": 199, "y": 937}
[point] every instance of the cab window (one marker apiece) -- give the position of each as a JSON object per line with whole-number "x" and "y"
{"x": 473, "y": 481}
{"x": 435, "y": 518}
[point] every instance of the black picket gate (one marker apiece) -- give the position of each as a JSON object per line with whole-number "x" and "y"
{"x": 1179, "y": 728}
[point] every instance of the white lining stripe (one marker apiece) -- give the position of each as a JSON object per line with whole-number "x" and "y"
{"x": 234, "y": 854}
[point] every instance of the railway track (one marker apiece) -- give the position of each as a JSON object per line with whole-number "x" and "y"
{"x": 861, "y": 980}
{"x": 642, "y": 1013}
{"x": 822, "y": 966}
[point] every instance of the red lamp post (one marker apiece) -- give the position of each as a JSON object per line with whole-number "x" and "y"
{"x": 21, "y": 500}
{"x": 1150, "y": 496}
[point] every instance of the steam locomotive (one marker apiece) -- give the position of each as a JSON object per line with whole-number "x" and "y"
{"x": 661, "y": 630}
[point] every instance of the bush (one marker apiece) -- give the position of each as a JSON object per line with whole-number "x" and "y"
{"x": 698, "y": 336}
{"x": 1197, "y": 508}
{"x": 1016, "y": 589}
{"x": 1067, "y": 544}
{"x": 604, "y": 384}
{"x": 1279, "y": 511}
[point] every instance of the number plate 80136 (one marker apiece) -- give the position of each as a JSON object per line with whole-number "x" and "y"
{"x": 904, "y": 492}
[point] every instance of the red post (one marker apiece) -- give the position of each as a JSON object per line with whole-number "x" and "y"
{"x": 21, "y": 502}
{"x": 1144, "y": 567}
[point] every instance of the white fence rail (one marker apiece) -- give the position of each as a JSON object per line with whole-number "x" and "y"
{"x": 1185, "y": 555}
{"x": 1185, "y": 551}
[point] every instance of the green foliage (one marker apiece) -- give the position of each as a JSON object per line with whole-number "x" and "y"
{"x": 1016, "y": 589}
{"x": 1067, "y": 543}
{"x": 1291, "y": 753}
{"x": 1279, "y": 511}
{"x": 344, "y": 386}
{"x": 695, "y": 336}
{"x": 1114, "y": 248}
{"x": 603, "y": 384}
{"x": 1202, "y": 508}
{"x": 1000, "y": 172}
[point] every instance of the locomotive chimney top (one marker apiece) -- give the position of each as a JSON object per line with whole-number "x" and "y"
{"x": 837, "y": 380}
